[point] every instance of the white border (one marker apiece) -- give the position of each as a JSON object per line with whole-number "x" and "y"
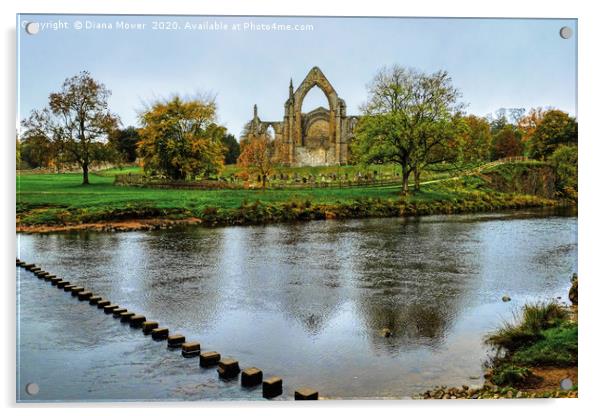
{"x": 590, "y": 137}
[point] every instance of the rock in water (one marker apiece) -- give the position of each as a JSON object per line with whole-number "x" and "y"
{"x": 506, "y": 298}
{"x": 386, "y": 332}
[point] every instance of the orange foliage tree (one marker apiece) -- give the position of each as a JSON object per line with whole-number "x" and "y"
{"x": 257, "y": 156}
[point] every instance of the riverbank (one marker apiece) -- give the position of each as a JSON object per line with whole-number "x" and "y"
{"x": 147, "y": 218}
{"x": 535, "y": 357}
{"x": 51, "y": 203}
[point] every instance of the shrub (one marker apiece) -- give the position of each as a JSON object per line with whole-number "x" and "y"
{"x": 529, "y": 326}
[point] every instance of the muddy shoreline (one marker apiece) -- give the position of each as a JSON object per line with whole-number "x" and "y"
{"x": 146, "y": 224}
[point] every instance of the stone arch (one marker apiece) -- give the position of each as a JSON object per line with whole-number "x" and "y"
{"x": 315, "y": 78}
{"x": 316, "y": 124}
{"x": 328, "y": 130}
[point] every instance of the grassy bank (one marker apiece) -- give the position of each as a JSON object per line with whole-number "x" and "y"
{"x": 543, "y": 336}
{"x": 534, "y": 354}
{"x": 60, "y": 199}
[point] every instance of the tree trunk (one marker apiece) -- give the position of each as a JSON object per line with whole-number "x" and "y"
{"x": 263, "y": 178}
{"x": 406, "y": 177}
{"x": 417, "y": 179}
{"x": 85, "y": 169}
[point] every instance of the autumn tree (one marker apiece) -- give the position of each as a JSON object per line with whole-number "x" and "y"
{"x": 555, "y": 129}
{"x": 475, "y": 140}
{"x": 529, "y": 122}
{"x": 181, "y": 138}
{"x": 77, "y": 122}
{"x": 257, "y": 156}
{"x": 410, "y": 119}
{"x": 36, "y": 151}
{"x": 507, "y": 142}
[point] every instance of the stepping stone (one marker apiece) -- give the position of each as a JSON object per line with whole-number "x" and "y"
{"x": 55, "y": 281}
{"x": 272, "y": 387}
{"x": 94, "y": 299}
{"x": 117, "y": 312}
{"x": 305, "y": 393}
{"x": 62, "y": 284}
{"x": 49, "y": 277}
{"x": 209, "y": 359}
{"x": 35, "y": 269}
{"x": 251, "y": 377}
{"x": 42, "y": 273}
{"x": 148, "y": 326}
{"x": 159, "y": 333}
{"x": 29, "y": 266}
{"x": 228, "y": 368}
{"x": 125, "y": 316}
{"x": 175, "y": 340}
{"x": 102, "y": 303}
{"x": 109, "y": 308}
{"x": 68, "y": 288}
{"x": 137, "y": 320}
{"x": 85, "y": 295}
{"x": 75, "y": 290}
{"x": 191, "y": 349}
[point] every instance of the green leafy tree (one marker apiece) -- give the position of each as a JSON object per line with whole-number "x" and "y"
{"x": 181, "y": 138}
{"x": 125, "y": 141}
{"x": 564, "y": 159}
{"x": 438, "y": 141}
{"x": 556, "y": 128}
{"x": 233, "y": 149}
{"x": 410, "y": 119}
{"x": 77, "y": 122}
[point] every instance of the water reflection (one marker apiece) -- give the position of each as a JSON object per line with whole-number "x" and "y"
{"x": 305, "y": 301}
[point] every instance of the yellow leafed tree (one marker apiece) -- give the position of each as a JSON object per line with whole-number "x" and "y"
{"x": 181, "y": 139}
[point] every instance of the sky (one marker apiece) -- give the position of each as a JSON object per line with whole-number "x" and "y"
{"x": 495, "y": 63}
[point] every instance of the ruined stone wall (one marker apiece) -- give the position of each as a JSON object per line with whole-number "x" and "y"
{"x": 318, "y": 138}
{"x": 305, "y": 156}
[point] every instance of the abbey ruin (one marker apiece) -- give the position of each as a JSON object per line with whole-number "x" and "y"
{"x": 317, "y": 138}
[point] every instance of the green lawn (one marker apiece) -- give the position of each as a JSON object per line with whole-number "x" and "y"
{"x": 65, "y": 190}
{"x": 61, "y": 198}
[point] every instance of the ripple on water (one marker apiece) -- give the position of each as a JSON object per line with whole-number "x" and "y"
{"x": 307, "y": 302}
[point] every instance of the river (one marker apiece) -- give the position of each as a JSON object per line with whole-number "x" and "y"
{"x": 304, "y": 301}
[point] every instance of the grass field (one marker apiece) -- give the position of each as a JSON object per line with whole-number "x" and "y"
{"x": 65, "y": 190}
{"x": 61, "y": 199}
